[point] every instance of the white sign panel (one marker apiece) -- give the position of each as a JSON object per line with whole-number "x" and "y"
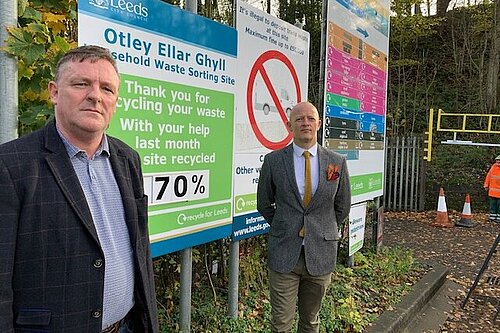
{"x": 273, "y": 62}
{"x": 357, "y": 221}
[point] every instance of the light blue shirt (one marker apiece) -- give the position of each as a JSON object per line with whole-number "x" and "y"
{"x": 300, "y": 167}
{"x": 105, "y": 202}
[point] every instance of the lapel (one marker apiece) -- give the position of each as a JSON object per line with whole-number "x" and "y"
{"x": 119, "y": 163}
{"x": 289, "y": 168}
{"x": 65, "y": 176}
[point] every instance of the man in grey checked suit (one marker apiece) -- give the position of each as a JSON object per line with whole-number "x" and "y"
{"x": 74, "y": 244}
{"x": 302, "y": 247}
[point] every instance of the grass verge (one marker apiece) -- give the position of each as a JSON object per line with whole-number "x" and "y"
{"x": 356, "y": 297}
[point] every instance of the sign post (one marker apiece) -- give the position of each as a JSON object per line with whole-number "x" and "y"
{"x": 8, "y": 75}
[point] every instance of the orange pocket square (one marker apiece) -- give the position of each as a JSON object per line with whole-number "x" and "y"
{"x": 333, "y": 172}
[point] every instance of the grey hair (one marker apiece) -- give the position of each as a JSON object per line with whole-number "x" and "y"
{"x": 82, "y": 53}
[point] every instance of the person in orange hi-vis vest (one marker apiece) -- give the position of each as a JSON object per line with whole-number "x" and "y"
{"x": 492, "y": 185}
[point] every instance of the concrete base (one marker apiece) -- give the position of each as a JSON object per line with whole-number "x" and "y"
{"x": 435, "y": 313}
{"x": 401, "y": 319}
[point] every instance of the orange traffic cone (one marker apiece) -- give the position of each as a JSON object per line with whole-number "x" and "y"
{"x": 466, "y": 218}
{"x": 442, "y": 219}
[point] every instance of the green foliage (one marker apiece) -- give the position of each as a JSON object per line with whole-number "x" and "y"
{"x": 407, "y": 30}
{"x": 437, "y": 63}
{"x": 355, "y": 298}
{"x": 411, "y": 71}
{"x": 46, "y": 30}
{"x": 358, "y": 294}
{"x": 460, "y": 170}
{"x": 253, "y": 277}
{"x": 341, "y": 315}
{"x": 217, "y": 10}
{"x": 309, "y": 13}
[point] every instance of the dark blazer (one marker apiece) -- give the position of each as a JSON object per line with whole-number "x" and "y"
{"x": 51, "y": 262}
{"x": 279, "y": 201}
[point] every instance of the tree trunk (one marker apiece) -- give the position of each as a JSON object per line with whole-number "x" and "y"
{"x": 442, "y": 7}
{"x": 418, "y": 11}
{"x": 493, "y": 63}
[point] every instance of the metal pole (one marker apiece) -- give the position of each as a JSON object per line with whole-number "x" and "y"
{"x": 350, "y": 261}
{"x": 380, "y": 204}
{"x": 234, "y": 264}
{"x": 192, "y": 6}
{"x": 234, "y": 250}
{"x": 422, "y": 179}
{"x": 376, "y": 225}
{"x": 187, "y": 254}
{"x": 186, "y": 281}
{"x": 8, "y": 75}
{"x": 481, "y": 271}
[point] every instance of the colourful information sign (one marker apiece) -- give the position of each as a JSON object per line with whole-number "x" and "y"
{"x": 176, "y": 108}
{"x": 355, "y": 90}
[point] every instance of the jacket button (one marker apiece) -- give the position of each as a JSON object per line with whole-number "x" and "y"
{"x": 98, "y": 263}
{"x": 96, "y": 313}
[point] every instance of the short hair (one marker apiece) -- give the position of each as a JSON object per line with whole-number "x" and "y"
{"x": 82, "y": 53}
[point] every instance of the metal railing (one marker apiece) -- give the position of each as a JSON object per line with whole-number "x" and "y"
{"x": 404, "y": 175}
{"x": 481, "y": 123}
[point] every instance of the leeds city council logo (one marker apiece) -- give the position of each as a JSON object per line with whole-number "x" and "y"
{"x": 104, "y": 4}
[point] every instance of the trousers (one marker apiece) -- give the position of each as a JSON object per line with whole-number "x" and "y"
{"x": 494, "y": 209}
{"x": 296, "y": 289}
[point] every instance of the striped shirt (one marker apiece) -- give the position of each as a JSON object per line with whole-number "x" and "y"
{"x": 104, "y": 199}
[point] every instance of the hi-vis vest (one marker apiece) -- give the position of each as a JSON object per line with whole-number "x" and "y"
{"x": 492, "y": 181}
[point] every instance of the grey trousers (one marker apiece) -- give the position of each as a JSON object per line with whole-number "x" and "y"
{"x": 287, "y": 288}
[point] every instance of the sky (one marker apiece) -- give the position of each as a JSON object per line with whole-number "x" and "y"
{"x": 262, "y": 5}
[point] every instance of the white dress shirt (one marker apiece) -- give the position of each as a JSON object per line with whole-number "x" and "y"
{"x": 299, "y": 166}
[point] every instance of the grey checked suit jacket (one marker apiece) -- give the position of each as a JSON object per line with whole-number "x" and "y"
{"x": 279, "y": 201}
{"x": 51, "y": 263}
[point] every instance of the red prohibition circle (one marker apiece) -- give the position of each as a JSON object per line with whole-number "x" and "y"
{"x": 259, "y": 67}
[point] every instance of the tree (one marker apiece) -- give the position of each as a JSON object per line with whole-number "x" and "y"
{"x": 46, "y": 30}
{"x": 310, "y": 11}
{"x": 493, "y": 63}
{"x": 412, "y": 68}
{"x": 442, "y": 7}
{"x": 468, "y": 35}
{"x": 217, "y": 10}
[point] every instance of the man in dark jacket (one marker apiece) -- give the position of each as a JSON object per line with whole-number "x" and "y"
{"x": 74, "y": 244}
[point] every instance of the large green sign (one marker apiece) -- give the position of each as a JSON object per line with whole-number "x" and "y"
{"x": 176, "y": 108}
